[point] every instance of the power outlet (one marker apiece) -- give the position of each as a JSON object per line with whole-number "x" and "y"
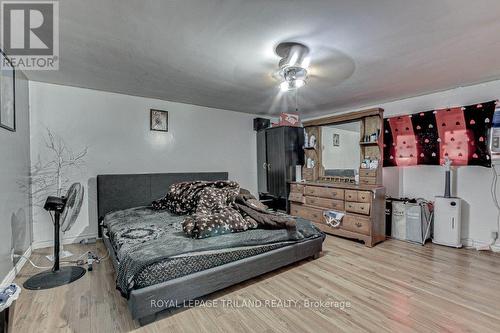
{"x": 12, "y": 255}
{"x": 494, "y": 235}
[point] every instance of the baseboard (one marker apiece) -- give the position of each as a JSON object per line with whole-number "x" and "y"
{"x": 9, "y": 278}
{"x": 67, "y": 240}
{"x": 476, "y": 244}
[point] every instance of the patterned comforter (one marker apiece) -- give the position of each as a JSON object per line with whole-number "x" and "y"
{"x": 150, "y": 243}
{"x": 219, "y": 207}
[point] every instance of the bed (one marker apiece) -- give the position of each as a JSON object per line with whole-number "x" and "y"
{"x": 203, "y": 266}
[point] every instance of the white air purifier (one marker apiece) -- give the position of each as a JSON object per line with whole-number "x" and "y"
{"x": 447, "y": 221}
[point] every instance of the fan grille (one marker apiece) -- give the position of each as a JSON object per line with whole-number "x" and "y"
{"x": 74, "y": 200}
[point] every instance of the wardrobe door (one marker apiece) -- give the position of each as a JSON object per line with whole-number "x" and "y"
{"x": 261, "y": 162}
{"x": 294, "y": 152}
{"x": 276, "y": 167}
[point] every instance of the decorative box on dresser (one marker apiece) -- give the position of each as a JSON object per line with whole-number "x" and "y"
{"x": 364, "y": 206}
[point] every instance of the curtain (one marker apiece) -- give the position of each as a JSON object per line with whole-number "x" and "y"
{"x": 460, "y": 134}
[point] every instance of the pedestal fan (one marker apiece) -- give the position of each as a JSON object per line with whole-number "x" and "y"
{"x": 66, "y": 210}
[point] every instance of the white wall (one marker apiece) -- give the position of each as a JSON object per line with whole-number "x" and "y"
{"x": 15, "y": 214}
{"x": 115, "y": 128}
{"x": 472, "y": 183}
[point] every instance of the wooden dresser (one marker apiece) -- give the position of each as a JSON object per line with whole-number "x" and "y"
{"x": 364, "y": 206}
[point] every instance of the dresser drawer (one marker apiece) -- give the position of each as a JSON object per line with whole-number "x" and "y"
{"x": 325, "y": 203}
{"x": 351, "y": 195}
{"x": 296, "y": 197}
{"x": 357, "y": 224}
{"x": 325, "y": 192}
{"x": 367, "y": 180}
{"x": 308, "y": 213}
{"x": 364, "y": 196}
{"x": 357, "y": 196}
{"x": 297, "y": 188}
{"x": 358, "y": 207}
{"x": 368, "y": 172}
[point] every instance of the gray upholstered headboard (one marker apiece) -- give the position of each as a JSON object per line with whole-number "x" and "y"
{"x": 115, "y": 192}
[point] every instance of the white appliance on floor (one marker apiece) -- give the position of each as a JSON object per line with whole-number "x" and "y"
{"x": 447, "y": 221}
{"x": 447, "y": 214}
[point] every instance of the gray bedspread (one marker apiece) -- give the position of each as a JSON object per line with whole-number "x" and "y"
{"x": 142, "y": 237}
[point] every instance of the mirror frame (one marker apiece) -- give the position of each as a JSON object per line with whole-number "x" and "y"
{"x": 314, "y": 126}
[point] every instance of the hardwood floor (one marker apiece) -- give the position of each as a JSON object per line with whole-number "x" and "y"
{"x": 395, "y": 286}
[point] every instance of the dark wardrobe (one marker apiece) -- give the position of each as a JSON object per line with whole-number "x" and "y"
{"x": 279, "y": 150}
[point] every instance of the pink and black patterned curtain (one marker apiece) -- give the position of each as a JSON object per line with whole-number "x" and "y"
{"x": 428, "y": 137}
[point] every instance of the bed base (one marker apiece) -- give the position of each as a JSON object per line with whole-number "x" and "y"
{"x": 144, "y": 303}
{"x": 117, "y": 192}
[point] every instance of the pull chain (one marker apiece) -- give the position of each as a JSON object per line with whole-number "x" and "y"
{"x": 296, "y": 103}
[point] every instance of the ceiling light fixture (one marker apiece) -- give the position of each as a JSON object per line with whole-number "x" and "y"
{"x": 293, "y": 65}
{"x": 291, "y": 85}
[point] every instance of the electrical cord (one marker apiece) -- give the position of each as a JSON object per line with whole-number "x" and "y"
{"x": 493, "y": 189}
{"x": 32, "y": 263}
{"x": 77, "y": 261}
{"x": 45, "y": 267}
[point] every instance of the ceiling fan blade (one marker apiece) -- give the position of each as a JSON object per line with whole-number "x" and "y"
{"x": 331, "y": 68}
{"x": 256, "y": 75}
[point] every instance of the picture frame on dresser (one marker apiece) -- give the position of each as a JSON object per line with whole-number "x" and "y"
{"x": 7, "y": 93}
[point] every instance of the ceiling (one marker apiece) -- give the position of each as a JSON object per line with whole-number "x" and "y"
{"x": 220, "y": 53}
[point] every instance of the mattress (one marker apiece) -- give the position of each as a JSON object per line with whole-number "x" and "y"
{"x": 184, "y": 265}
{"x": 133, "y": 232}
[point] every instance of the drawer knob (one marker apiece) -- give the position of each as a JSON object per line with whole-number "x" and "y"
{"x": 358, "y": 224}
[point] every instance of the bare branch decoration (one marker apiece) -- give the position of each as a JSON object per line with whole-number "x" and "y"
{"x": 52, "y": 176}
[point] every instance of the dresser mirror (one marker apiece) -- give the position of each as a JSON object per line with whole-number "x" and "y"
{"x": 346, "y": 145}
{"x": 340, "y": 151}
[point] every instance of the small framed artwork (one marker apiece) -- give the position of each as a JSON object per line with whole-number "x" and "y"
{"x": 159, "y": 120}
{"x": 7, "y": 94}
{"x": 336, "y": 140}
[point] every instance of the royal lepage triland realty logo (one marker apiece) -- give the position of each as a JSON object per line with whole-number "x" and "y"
{"x": 30, "y": 34}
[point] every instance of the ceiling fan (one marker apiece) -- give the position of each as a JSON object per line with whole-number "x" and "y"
{"x": 293, "y": 65}
{"x": 320, "y": 66}
{"x": 314, "y": 68}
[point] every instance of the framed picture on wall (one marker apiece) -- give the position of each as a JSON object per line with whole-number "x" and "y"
{"x": 159, "y": 120}
{"x": 336, "y": 140}
{"x": 7, "y": 94}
